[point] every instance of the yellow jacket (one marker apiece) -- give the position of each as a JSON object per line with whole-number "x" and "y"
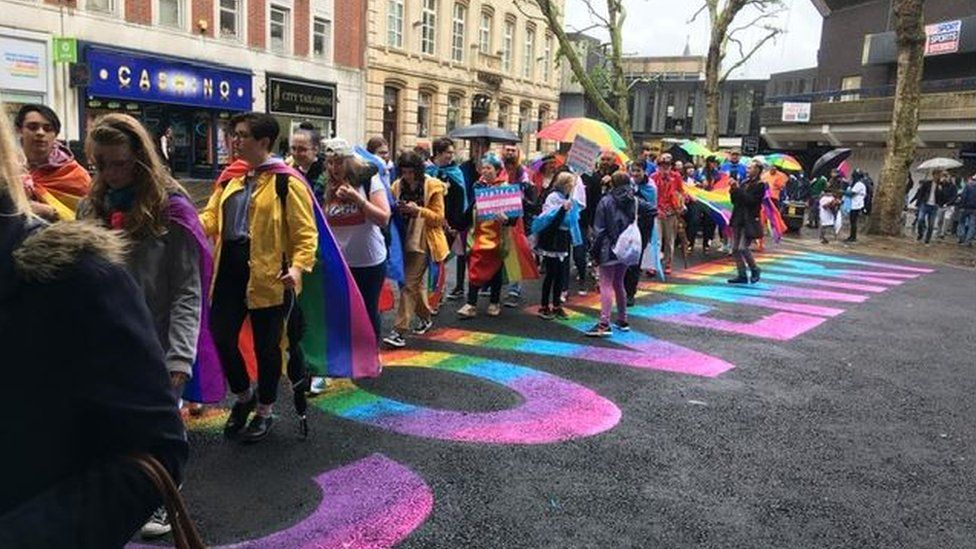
{"x": 433, "y": 213}
{"x": 266, "y": 231}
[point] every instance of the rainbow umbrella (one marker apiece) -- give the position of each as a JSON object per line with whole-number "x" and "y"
{"x": 784, "y": 162}
{"x": 694, "y": 148}
{"x": 566, "y": 130}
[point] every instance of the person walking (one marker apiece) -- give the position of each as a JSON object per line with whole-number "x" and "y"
{"x": 646, "y": 192}
{"x": 166, "y": 148}
{"x": 266, "y": 239}
{"x": 56, "y": 182}
{"x": 670, "y": 206}
{"x": 747, "y": 197}
{"x": 857, "y": 191}
{"x": 966, "y": 230}
{"x": 926, "y": 200}
{"x": 557, "y": 230}
{"x": 420, "y": 202}
{"x": 75, "y": 324}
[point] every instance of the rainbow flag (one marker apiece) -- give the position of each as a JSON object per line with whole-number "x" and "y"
{"x": 436, "y": 277}
{"x": 717, "y": 202}
{"x": 518, "y": 263}
{"x": 772, "y": 219}
{"x": 394, "y": 260}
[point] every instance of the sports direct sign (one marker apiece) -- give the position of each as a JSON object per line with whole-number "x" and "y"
{"x": 942, "y": 38}
{"x": 796, "y": 112}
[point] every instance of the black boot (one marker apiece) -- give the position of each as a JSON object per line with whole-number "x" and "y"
{"x": 741, "y": 279}
{"x": 755, "y": 274}
{"x": 237, "y": 419}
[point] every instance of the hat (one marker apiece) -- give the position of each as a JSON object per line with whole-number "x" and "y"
{"x": 336, "y": 146}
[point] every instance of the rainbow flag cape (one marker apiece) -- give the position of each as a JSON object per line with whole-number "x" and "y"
{"x": 394, "y": 260}
{"x": 61, "y": 184}
{"x": 518, "y": 262}
{"x": 338, "y": 339}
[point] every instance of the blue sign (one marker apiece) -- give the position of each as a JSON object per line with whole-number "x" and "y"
{"x": 118, "y": 75}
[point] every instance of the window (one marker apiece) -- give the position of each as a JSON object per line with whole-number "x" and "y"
{"x": 424, "y": 101}
{"x": 394, "y": 23}
{"x": 280, "y": 29}
{"x": 171, "y": 13}
{"x": 507, "y": 38}
{"x": 850, "y": 83}
{"x": 524, "y": 113}
{"x": 391, "y": 111}
{"x": 453, "y": 112}
{"x": 733, "y": 120}
{"x": 107, "y": 6}
{"x": 547, "y": 59}
{"x": 321, "y": 38}
{"x": 543, "y": 120}
{"x": 670, "y": 122}
{"x": 428, "y": 25}
{"x": 484, "y": 33}
{"x": 528, "y": 61}
{"x": 230, "y": 18}
{"x": 503, "y": 114}
{"x": 457, "y": 32}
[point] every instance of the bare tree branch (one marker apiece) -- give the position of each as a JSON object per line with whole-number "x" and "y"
{"x": 518, "y": 6}
{"x": 596, "y": 15}
{"x": 762, "y": 17}
{"x": 697, "y": 13}
{"x": 585, "y": 29}
{"x": 772, "y": 33}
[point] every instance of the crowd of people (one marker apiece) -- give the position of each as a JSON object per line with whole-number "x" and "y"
{"x": 165, "y": 286}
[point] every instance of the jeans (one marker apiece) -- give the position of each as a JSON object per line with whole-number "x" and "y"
{"x": 227, "y": 315}
{"x": 854, "y": 216}
{"x": 413, "y": 295}
{"x": 369, "y": 280}
{"x": 926, "y": 221}
{"x": 966, "y": 230}
{"x": 741, "y": 251}
{"x": 612, "y": 288}
{"x": 553, "y": 283}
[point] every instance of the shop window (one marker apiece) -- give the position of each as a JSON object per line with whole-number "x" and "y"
{"x": 547, "y": 59}
{"x": 170, "y": 13}
{"x": 280, "y": 29}
{"x": 428, "y": 27}
{"x": 394, "y": 23}
{"x": 850, "y": 83}
{"x": 391, "y": 110}
{"x": 504, "y": 110}
{"x": 424, "y": 102}
{"x": 105, "y": 6}
{"x": 508, "y": 36}
{"x": 321, "y": 38}
{"x": 230, "y": 18}
{"x": 484, "y": 33}
{"x": 453, "y": 112}
{"x": 528, "y": 57}
{"x": 457, "y": 32}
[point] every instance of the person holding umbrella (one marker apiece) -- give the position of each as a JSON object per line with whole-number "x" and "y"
{"x": 930, "y": 196}
{"x": 747, "y": 197}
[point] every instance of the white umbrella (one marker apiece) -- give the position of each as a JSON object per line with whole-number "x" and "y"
{"x": 940, "y": 164}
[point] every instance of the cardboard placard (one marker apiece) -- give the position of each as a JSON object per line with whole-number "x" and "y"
{"x": 583, "y": 155}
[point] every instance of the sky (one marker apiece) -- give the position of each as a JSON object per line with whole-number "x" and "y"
{"x": 660, "y": 27}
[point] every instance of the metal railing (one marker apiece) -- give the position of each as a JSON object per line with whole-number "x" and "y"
{"x": 831, "y": 96}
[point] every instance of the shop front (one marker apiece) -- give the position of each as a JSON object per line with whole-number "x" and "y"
{"x": 25, "y": 71}
{"x": 192, "y": 99}
{"x": 293, "y": 101}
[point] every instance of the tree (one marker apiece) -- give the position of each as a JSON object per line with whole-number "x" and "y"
{"x": 615, "y": 106}
{"x": 720, "y": 18}
{"x": 900, "y": 150}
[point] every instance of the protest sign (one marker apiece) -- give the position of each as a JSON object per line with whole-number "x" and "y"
{"x": 501, "y": 199}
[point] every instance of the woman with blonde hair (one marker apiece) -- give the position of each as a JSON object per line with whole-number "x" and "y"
{"x": 74, "y": 323}
{"x": 556, "y": 230}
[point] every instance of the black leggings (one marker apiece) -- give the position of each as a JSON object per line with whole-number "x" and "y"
{"x": 227, "y": 316}
{"x": 854, "y": 216}
{"x": 369, "y": 280}
{"x": 495, "y": 285}
{"x": 553, "y": 284}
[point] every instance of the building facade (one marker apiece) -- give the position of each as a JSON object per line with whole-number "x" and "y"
{"x": 189, "y": 65}
{"x": 435, "y": 65}
{"x": 572, "y": 100}
{"x": 847, "y": 100}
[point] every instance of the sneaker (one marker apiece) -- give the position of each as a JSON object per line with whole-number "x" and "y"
{"x": 494, "y": 309}
{"x": 423, "y": 327}
{"x": 622, "y": 325}
{"x": 742, "y": 279}
{"x": 560, "y": 313}
{"x": 395, "y": 340}
{"x": 467, "y": 311}
{"x": 435, "y": 311}
{"x": 157, "y": 526}
{"x": 258, "y": 429}
{"x": 581, "y": 291}
{"x": 455, "y": 294}
{"x": 318, "y": 386}
{"x": 513, "y": 301}
{"x": 238, "y": 416}
{"x": 565, "y": 295}
{"x": 755, "y": 275}
{"x": 599, "y": 330}
{"x": 545, "y": 313}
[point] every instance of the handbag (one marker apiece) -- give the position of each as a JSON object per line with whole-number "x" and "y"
{"x": 627, "y": 248}
{"x": 185, "y": 534}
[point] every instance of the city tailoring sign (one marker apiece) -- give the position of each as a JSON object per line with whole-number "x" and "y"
{"x": 942, "y": 38}
{"x": 120, "y": 75}
{"x": 294, "y": 97}
{"x": 796, "y": 112}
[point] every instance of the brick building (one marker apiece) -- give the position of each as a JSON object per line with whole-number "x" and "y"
{"x": 189, "y": 65}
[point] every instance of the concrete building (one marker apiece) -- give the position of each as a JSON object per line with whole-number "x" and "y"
{"x": 572, "y": 100}
{"x": 847, "y": 100}
{"x": 435, "y": 65}
{"x": 189, "y": 65}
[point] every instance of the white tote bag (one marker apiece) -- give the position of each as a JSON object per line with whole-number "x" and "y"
{"x": 627, "y": 248}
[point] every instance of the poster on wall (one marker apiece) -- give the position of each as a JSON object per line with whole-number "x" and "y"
{"x": 942, "y": 38}
{"x": 23, "y": 65}
{"x": 796, "y": 112}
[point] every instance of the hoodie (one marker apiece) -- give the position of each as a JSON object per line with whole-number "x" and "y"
{"x": 613, "y": 215}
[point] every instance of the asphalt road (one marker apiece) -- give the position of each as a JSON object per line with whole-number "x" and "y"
{"x": 846, "y": 419}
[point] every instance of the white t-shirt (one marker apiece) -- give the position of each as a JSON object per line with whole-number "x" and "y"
{"x": 857, "y": 199}
{"x": 361, "y": 241}
{"x": 826, "y": 214}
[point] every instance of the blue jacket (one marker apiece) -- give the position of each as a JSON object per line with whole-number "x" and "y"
{"x": 613, "y": 215}
{"x": 736, "y": 171}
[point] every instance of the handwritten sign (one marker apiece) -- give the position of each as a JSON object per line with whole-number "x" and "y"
{"x": 502, "y": 199}
{"x": 582, "y": 155}
{"x": 942, "y": 38}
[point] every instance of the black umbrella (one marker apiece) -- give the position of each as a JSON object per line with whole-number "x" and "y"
{"x": 829, "y": 161}
{"x": 484, "y": 131}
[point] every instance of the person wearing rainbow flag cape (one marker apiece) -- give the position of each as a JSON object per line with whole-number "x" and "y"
{"x": 56, "y": 182}
{"x": 264, "y": 243}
